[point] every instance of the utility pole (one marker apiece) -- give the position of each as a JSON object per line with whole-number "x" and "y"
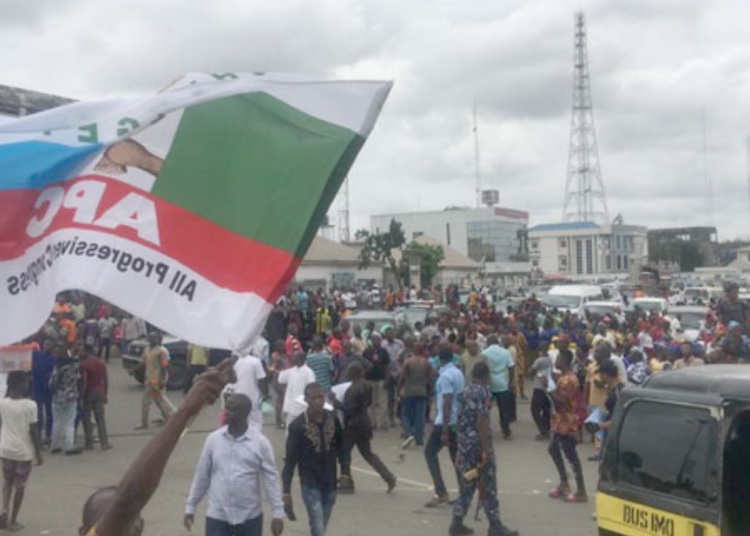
{"x": 477, "y": 168}
{"x": 344, "y": 231}
{"x": 584, "y": 189}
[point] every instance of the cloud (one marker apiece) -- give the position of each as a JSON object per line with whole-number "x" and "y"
{"x": 656, "y": 68}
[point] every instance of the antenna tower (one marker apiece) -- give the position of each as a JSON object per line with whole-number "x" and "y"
{"x": 477, "y": 169}
{"x": 748, "y": 165}
{"x": 706, "y": 176}
{"x": 584, "y": 189}
{"x": 344, "y": 234}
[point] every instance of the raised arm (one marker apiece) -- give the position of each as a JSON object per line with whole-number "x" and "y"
{"x": 143, "y": 477}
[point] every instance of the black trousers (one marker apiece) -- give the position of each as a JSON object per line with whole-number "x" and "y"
{"x": 251, "y": 527}
{"x": 431, "y": 451}
{"x": 541, "y": 410}
{"x": 190, "y": 374}
{"x": 560, "y": 444}
{"x": 361, "y": 438}
{"x": 505, "y": 401}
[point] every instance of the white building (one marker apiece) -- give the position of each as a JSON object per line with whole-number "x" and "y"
{"x": 494, "y": 237}
{"x": 587, "y": 251}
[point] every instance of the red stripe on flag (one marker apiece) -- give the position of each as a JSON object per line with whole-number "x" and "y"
{"x": 226, "y": 258}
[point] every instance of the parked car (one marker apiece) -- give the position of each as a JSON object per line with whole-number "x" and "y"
{"x": 703, "y": 294}
{"x": 419, "y": 311}
{"x": 691, "y": 319}
{"x": 651, "y": 304}
{"x": 177, "y": 370}
{"x": 572, "y": 298}
{"x": 602, "y": 308}
{"x": 379, "y": 318}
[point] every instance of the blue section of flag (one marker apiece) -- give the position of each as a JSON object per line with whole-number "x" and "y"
{"x": 35, "y": 164}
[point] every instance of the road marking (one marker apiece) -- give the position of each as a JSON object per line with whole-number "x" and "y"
{"x": 429, "y": 487}
{"x": 400, "y": 480}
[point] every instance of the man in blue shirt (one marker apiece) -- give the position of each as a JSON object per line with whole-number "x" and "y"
{"x": 450, "y": 384}
{"x": 501, "y": 367}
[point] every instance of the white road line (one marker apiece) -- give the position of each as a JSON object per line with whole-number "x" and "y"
{"x": 429, "y": 487}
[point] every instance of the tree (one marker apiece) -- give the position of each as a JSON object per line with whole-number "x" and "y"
{"x": 430, "y": 256}
{"x": 379, "y": 247}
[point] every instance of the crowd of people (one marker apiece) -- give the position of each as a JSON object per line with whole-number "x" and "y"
{"x": 332, "y": 386}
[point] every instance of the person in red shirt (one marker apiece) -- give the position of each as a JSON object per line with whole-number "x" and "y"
{"x": 292, "y": 344}
{"x": 94, "y": 388}
{"x": 565, "y": 425}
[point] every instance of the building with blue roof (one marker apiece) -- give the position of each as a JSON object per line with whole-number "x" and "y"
{"x": 587, "y": 251}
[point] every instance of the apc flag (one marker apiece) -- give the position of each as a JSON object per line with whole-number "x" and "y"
{"x": 191, "y": 208}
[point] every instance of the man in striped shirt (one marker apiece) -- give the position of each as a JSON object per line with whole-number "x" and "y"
{"x": 321, "y": 363}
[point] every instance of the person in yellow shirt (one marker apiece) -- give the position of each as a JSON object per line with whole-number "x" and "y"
{"x": 155, "y": 360}
{"x": 197, "y": 361}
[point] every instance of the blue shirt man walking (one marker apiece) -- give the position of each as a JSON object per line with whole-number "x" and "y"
{"x": 450, "y": 384}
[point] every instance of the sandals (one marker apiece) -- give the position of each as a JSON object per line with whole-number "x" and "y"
{"x": 437, "y": 500}
{"x": 559, "y": 492}
{"x": 578, "y": 497}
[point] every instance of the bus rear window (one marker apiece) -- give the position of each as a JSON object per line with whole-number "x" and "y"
{"x": 667, "y": 449}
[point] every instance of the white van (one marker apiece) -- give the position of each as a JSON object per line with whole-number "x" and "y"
{"x": 572, "y": 297}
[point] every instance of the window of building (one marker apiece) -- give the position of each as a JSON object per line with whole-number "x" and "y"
{"x": 448, "y": 233}
{"x": 416, "y": 234}
{"x": 589, "y": 257}
{"x": 535, "y": 264}
{"x": 563, "y": 243}
{"x": 625, "y": 262}
{"x": 534, "y": 245}
{"x": 496, "y": 241}
{"x": 684, "y": 468}
{"x": 562, "y": 263}
{"x": 608, "y": 261}
{"x": 617, "y": 242}
{"x": 619, "y": 262}
{"x": 579, "y": 257}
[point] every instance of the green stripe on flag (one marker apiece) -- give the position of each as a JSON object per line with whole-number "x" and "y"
{"x": 257, "y": 166}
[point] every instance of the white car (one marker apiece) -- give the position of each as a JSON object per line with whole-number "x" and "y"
{"x": 651, "y": 304}
{"x": 602, "y": 308}
{"x": 572, "y": 298}
{"x": 691, "y": 320}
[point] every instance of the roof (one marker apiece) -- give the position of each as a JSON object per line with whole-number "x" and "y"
{"x": 13, "y": 100}
{"x": 564, "y": 226}
{"x": 728, "y": 381}
{"x": 454, "y": 259}
{"x": 325, "y": 251}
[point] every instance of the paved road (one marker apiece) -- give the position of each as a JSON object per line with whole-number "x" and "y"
{"x": 58, "y": 489}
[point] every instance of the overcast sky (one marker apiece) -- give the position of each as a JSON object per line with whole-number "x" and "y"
{"x": 655, "y": 66}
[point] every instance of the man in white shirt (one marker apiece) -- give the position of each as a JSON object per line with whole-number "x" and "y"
{"x": 250, "y": 382}
{"x": 261, "y": 349}
{"x": 234, "y": 460}
{"x": 296, "y": 379}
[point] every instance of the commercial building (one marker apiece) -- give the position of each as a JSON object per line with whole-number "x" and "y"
{"x": 494, "y": 237}
{"x": 688, "y": 247}
{"x": 587, "y": 251}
